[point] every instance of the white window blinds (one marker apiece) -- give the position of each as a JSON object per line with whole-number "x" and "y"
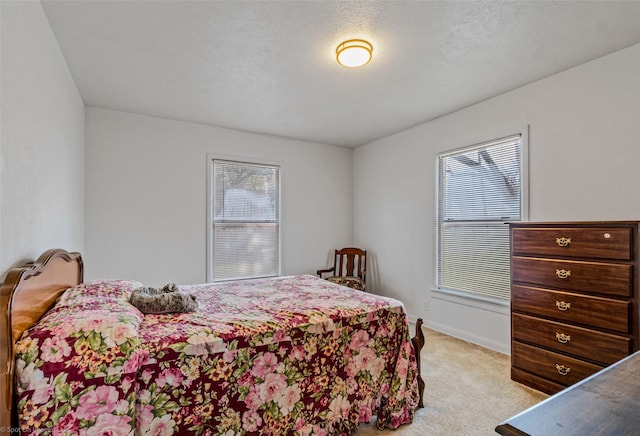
{"x": 479, "y": 190}
{"x": 245, "y": 214}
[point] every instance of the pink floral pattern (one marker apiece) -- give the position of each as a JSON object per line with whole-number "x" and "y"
{"x": 291, "y": 355}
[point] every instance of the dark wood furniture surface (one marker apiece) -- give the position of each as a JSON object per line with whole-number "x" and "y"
{"x": 27, "y": 292}
{"x": 606, "y": 403}
{"x": 574, "y": 300}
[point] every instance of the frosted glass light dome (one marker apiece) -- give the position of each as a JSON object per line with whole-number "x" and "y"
{"x": 354, "y": 53}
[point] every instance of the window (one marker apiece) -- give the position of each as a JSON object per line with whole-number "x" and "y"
{"x": 244, "y": 240}
{"x": 479, "y": 189}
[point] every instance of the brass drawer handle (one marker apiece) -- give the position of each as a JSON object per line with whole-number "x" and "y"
{"x": 562, "y": 370}
{"x": 561, "y": 305}
{"x": 562, "y": 338}
{"x": 563, "y": 242}
{"x": 563, "y": 274}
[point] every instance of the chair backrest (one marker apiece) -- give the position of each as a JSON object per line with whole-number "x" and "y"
{"x": 351, "y": 261}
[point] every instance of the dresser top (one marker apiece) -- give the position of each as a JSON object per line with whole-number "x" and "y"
{"x": 573, "y": 223}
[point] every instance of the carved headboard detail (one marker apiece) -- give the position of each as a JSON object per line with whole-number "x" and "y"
{"x": 27, "y": 292}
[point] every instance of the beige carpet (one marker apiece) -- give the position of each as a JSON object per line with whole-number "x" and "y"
{"x": 468, "y": 391}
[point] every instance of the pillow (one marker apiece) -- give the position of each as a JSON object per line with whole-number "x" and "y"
{"x": 98, "y": 290}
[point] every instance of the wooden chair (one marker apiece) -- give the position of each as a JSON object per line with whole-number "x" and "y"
{"x": 349, "y": 268}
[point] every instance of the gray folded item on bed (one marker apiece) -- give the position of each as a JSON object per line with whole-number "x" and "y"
{"x": 168, "y": 299}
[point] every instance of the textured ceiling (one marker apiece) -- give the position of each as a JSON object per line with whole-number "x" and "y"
{"x": 269, "y": 66}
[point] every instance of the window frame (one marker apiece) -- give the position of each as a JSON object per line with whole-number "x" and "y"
{"x": 485, "y": 302}
{"x": 210, "y": 234}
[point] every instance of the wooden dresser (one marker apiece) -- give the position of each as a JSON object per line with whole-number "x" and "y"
{"x": 574, "y": 300}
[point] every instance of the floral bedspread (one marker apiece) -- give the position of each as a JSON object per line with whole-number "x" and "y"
{"x": 290, "y": 355}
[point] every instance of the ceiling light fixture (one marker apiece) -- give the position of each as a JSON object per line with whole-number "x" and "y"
{"x": 354, "y": 53}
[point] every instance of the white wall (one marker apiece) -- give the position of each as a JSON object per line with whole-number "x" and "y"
{"x": 584, "y": 164}
{"x": 146, "y": 177}
{"x": 146, "y": 203}
{"x": 42, "y": 140}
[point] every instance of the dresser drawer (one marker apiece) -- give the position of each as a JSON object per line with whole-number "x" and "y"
{"x": 602, "y": 243}
{"x": 585, "y": 343}
{"x": 572, "y": 308}
{"x": 597, "y": 277}
{"x": 552, "y": 366}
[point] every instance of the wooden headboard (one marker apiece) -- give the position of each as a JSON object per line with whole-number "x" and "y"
{"x": 27, "y": 292}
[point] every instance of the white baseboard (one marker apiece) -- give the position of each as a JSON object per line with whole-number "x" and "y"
{"x": 412, "y": 318}
{"x": 465, "y": 336}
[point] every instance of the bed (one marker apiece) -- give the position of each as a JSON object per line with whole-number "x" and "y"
{"x": 288, "y": 355}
